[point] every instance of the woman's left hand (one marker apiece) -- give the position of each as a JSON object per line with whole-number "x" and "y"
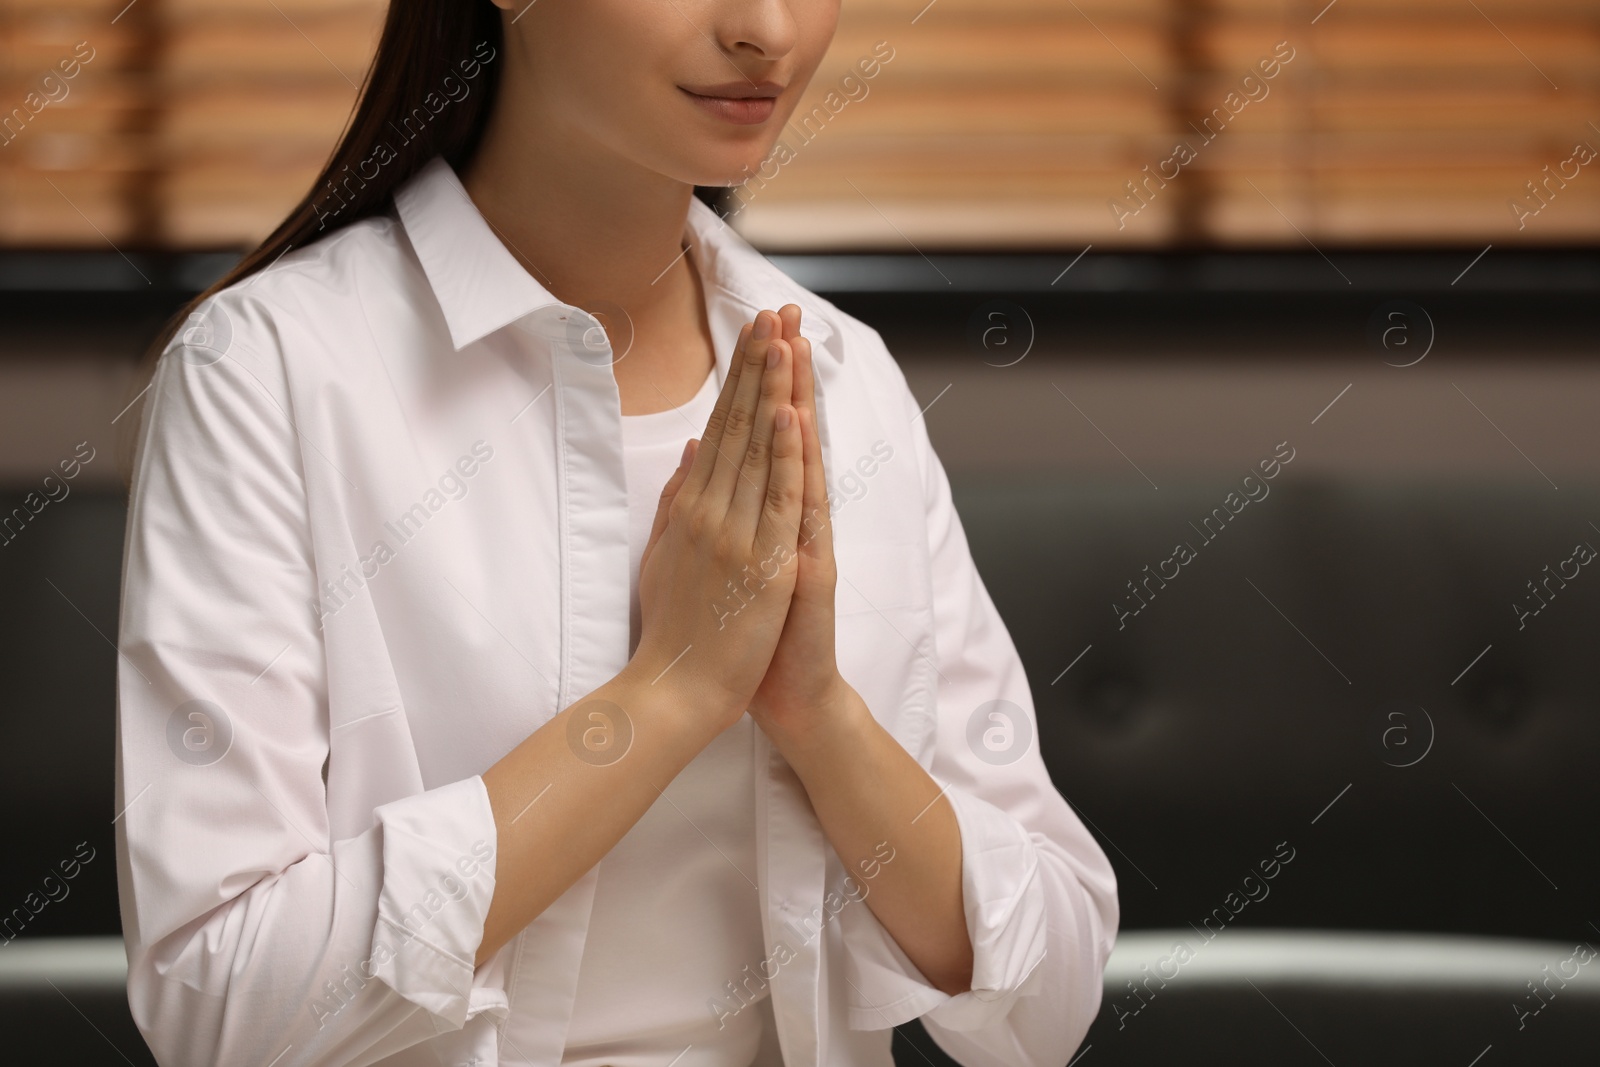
{"x": 803, "y": 689}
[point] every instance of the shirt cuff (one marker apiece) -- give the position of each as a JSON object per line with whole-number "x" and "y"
{"x": 1003, "y": 898}
{"x": 438, "y": 879}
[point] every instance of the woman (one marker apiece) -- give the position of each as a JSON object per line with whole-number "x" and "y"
{"x": 407, "y": 772}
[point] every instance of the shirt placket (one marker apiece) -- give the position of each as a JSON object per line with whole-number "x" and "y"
{"x": 591, "y": 526}
{"x": 791, "y": 849}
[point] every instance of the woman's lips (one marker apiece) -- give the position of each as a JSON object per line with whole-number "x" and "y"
{"x": 745, "y": 112}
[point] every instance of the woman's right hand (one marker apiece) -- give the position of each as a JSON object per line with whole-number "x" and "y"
{"x": 719, "y": 567}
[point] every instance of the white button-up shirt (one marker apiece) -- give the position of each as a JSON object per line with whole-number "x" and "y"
{"x": 641, "y": 998}
{"x": 378, "y": 535}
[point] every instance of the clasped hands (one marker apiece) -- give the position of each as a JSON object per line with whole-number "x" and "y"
{"x": 737, "y": 577}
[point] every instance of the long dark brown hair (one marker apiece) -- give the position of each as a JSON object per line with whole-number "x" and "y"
{"x": 424, "y": 42}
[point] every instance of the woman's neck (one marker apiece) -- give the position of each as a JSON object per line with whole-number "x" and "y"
{"x": 595, "y": 228}
{"x": 602, "y": 233}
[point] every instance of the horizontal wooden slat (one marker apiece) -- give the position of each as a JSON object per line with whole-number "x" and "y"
{"x": 996, "y": 121}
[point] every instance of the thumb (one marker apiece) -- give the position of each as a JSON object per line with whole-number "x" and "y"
{"x": 668, "y": 493}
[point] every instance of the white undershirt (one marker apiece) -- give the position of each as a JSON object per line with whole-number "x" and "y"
{"x": 676, "y": 915}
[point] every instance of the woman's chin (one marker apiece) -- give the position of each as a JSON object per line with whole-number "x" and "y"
{"x": 722, "y": 161}
{"x": 730, "y": 169}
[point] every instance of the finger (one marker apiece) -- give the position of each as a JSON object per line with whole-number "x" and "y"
{"x": 738, "y": 427}
{"x": 789, "y": 314}
{"x": 816, "y": 521}
{"x": 745, "y": 511}
{"x": 705, "y": 458}
{"x": 805, "y": 382}
{"x": 780, "y": 503}
{"x": 664, "y": 506}
{"x": 805, "y": 401}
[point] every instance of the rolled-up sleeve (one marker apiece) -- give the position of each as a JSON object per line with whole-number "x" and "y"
{"x": 430, "y": 946}
{"x": 1039, "y": 893}
{"x": 253, "y": 935}
{"x": 1003, "y": 899}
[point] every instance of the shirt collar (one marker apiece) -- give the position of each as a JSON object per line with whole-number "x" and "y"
{"x": 481, "y": 287}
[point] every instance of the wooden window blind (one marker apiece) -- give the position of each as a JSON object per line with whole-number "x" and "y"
{"x": 956, "y": 124}
{"x": 196, "y": 124}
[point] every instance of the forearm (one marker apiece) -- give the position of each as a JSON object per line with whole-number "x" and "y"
{"x": 866, "y": 789}
{"x": 560, "y": 806}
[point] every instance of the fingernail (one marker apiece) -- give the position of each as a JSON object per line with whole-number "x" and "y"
{"x": 763, "y": 328}
{"x": 684, "y": 459}
{"x": 772, "y": 355}
{"x": 782, "y": 419}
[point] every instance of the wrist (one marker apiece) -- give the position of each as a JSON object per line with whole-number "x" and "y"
{"x": 677, "y": 695}
{"x": 838, "y": 719}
